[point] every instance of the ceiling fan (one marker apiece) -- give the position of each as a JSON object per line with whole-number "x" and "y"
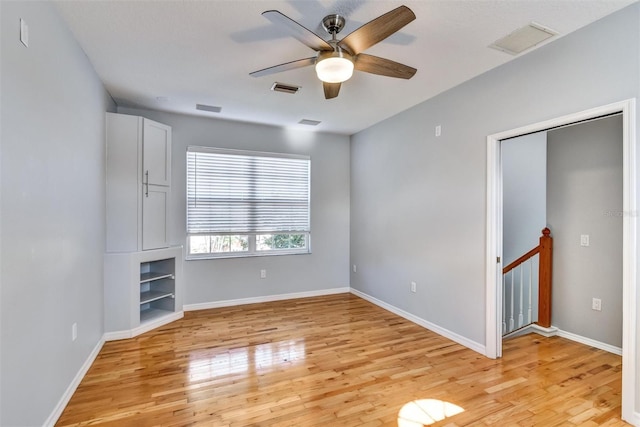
{"x": 336, "y": 59}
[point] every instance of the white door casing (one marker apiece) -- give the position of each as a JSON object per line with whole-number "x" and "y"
{"x": 493, "y": 344}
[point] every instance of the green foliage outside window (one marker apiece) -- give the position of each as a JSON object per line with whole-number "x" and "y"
{"x": 281, "y": 241}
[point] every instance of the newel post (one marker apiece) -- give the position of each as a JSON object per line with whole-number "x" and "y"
{"x": 544, "y": 271}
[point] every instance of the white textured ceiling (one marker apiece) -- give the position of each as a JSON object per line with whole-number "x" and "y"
{"x": 171, "y": 55}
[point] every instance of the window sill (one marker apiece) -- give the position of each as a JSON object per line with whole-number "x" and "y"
{"x": 243, "y": 255}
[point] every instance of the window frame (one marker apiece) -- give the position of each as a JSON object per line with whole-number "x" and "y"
{"x": 252, "y": 237}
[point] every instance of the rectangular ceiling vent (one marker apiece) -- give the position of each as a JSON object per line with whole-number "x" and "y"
{"x": 523, "y": 38}
{"x": 285, "y": 88}
{"x": 309, "y": 122}
{"x": 209, "y": 108}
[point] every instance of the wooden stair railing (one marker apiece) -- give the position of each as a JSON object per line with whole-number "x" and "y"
{"x": 545, "y": 251}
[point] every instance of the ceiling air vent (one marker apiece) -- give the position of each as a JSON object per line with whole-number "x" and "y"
{"x": 523, "y": 38}
{"x": 281, "y": 87}
{"x": 309, "y": 122}
{"x": 209, "y": 108}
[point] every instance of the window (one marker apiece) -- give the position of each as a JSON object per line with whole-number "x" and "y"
{"x": 243, "y": 203}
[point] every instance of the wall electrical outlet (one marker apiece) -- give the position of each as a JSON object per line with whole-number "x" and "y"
{"x": 355, "y": 269}
{"x": 263, "y": 274}
{"x": 596, "y": 304}
{"x": 584, "y": 240}
{"x": 414, "y": 287}
{"x": 74, "y": 332}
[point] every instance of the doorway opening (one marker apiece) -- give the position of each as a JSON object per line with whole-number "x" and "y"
{"x": 570, "y": 180}
{"x": 494, "y": 252}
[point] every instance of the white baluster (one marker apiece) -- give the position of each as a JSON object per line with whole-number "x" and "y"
{"x": 504, "y": 304}
{"x": 530, "y": 311}
{"x": 511, "y": 322}
{"x": 521, "y": 305}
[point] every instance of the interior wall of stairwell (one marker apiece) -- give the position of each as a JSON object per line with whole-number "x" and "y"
{"x": 524, "y": 195}
{"x": 584, "y": 197}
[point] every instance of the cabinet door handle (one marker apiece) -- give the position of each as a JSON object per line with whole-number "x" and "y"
{"x": 146, "y": 191}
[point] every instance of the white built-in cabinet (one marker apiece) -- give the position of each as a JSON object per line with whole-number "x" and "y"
{"x": 138, "y": 183}
{"x": 143, "y": 275}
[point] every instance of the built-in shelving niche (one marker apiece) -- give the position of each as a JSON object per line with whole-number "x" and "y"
{"x": 157, "y": 289}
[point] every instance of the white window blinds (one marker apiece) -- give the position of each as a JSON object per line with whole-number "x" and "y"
{"x": 230, "y": 191}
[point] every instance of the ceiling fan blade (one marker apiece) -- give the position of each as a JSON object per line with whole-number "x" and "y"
{"x": 301, "y": 33}
{"x": 331, "y": 90}
{"x": 284, "y": 67}
{"x": 377, "y": 30}
{"x": 384, "y": 67}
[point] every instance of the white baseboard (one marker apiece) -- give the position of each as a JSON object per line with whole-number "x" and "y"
{"x": 130, "y": 333}
{"x": 118, "y": 335}
{"x": 62, "y": 403}
{"x": 547, "y": 332}
{"x": 590, "y": 342}
{"x": 636, "y": 419}
{"x": 268, "y": 298}
{"x": 554, "y": 331}
{"x": 480, "y": 348}
{"x": 107, "y": 336}
{"x": 532, "y": 328}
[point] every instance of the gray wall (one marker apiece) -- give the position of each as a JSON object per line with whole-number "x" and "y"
{"x": 418, "y": 202}
{"x": 524, "y": 193}
{"x": 584, "y": 191}
{"x": 52, "y": 201}
{"x": 524, "y": 215}
{"x": 227, "y": 279}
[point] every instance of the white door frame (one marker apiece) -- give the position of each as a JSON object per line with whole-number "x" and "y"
{"x": 630, "y": 380}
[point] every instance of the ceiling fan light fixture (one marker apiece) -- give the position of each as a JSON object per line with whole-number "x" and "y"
{"x": 334, "y": 67}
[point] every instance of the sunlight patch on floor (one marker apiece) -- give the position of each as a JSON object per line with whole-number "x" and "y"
{"x": 208, "y": 364}
{"x": 424, "y": 412}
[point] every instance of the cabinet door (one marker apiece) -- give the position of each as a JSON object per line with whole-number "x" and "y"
{"x": 155, "y": 206}
{"x": 156, "y": 153}
{"x": 123, "y": 176}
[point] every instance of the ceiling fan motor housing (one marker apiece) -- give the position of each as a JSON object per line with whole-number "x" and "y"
{"x": 333, "y": 24}
{"x": 338, "y": 52}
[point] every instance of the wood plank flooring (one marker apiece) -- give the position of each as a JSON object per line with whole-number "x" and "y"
{"x": 338, "y": 361}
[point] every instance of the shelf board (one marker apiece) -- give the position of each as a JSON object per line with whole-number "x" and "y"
{"x": 154, "y": 275}
{"x": 153, "y": 314}
{"x": 149, "y": 296}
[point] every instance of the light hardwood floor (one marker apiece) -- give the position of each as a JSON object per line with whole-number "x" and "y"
{"x": 338, "y": 361}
